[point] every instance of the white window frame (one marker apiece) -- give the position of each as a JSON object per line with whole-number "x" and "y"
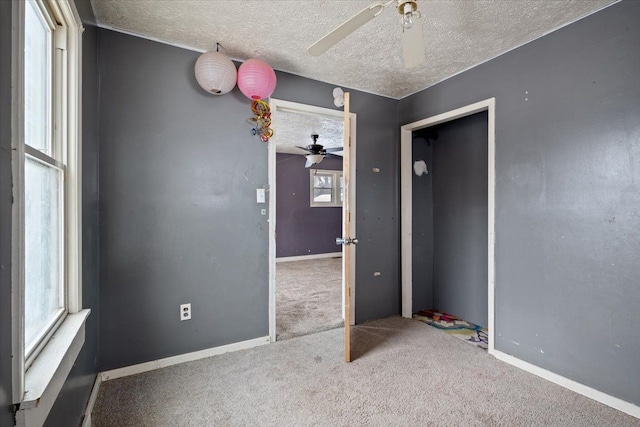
{"x": 55, "y": 159}
{"x": 38, "y": 380}
{"x": 335, "y": 188}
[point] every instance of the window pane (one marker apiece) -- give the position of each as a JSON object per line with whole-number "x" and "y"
{"x": 322, "y": 181}
{"x": 37, "y": 78}
{"x": 43, "y": 242}
{"x": 322, "y": 195}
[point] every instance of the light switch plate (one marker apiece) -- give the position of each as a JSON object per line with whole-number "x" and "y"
{"x": 260, "y": 195}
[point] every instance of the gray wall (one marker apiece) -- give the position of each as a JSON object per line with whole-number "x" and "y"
{"x": 6, "y": 416}
{"x": 178, "y": 217}
{"x": 450, "y": 219}
{"x": 422, "y": 227}
{"x": 179, "y": 222}
{"x": 72, "y": 400}
{"x": 301, "y": 229}
{"x": 567, "y": 195}
{"x": 459, "y": 174}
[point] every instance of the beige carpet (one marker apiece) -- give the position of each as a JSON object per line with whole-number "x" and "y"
{"x": 399, "y": 379}
{"x": 308, "y": 297}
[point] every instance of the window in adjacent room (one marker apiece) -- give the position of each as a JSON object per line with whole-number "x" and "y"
{"x": 326, "y": 188}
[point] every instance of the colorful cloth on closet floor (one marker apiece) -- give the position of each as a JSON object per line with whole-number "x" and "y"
{"x": 454, "y": 326}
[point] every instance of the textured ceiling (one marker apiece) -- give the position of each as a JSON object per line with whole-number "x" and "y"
{"x": 296, "y": 129}
{"x": 459, "y": 34}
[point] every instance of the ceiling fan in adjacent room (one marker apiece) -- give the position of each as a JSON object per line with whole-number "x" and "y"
{"x": 317, "y": 152}
{"x": 413, "y": 46}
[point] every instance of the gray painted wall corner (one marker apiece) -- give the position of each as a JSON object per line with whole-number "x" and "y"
{"x": 422, "y": 227}
{"x": 567, "y": 220}
{"x": 460, "y": 207}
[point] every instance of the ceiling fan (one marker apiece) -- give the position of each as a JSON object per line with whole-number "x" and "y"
{"x": 413, "y": 47}
{"x": 317, "y": 152}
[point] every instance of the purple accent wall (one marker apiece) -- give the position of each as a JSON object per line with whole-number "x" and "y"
{"x": 301, "y": 229}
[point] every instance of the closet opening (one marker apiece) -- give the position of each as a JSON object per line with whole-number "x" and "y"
{"x": 448, "y": 265}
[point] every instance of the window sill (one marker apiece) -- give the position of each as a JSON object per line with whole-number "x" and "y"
{"x": 46, "y": 376}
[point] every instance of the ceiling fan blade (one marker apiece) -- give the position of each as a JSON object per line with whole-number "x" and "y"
{"x": 413, "y": 48}
{"x": 303, "y": 148}
{"x": 333, "y": 149}
{"x": 334, "y": 155}
{"x": 364, "y": 16}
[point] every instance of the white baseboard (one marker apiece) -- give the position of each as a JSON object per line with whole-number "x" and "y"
{"x": 86, "y": 422}
{"x": 182, "y": 358}
{"x": 592, "y": 393}
{"x": 308, "y": 257}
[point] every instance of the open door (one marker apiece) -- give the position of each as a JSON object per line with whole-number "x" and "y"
{"x": 348, "y": 202}
{"x": 347, "y": 241}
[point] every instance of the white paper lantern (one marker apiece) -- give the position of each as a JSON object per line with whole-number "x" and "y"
{"x": 216, "y": 73}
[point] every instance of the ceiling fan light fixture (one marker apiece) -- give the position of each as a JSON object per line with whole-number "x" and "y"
{"x": 409, "y": 11}
{"x": 313, "y": 159}
{"x": 407, "y": 18}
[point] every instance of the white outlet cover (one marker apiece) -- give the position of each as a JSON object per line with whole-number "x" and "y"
{"x": 185, "y": 311}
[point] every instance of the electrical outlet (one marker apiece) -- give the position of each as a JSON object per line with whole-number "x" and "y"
{"x": 185, "y": 311}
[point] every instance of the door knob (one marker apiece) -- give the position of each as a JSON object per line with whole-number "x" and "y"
{"x": 346, "y": 241}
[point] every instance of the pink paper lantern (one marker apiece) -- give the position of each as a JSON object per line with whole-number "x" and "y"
{"x": 256, "y": 79}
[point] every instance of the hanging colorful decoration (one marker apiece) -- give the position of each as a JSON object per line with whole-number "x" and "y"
{"x": 215, "y": 72}
{"x": 261, "y": 120}
{"x": 257, "y": 81}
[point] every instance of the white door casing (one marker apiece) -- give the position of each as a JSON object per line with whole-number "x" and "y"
{"x": 294, "y": 107}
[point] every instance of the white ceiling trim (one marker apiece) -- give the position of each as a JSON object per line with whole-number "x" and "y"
{"x": 195, "y": 49}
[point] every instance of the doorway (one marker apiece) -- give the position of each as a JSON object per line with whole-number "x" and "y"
{"x": 447, "y": 229}
{"x": 305, "y": 217}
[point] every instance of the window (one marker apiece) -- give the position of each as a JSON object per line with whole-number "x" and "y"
{"x": 44, "y": 176}
{"x": 47, "y": 288}
{"x": 326, "y": 188}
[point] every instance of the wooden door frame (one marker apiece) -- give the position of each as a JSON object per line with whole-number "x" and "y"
{"x": 406, "y": 176}
{"x": 275, "y": 105}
